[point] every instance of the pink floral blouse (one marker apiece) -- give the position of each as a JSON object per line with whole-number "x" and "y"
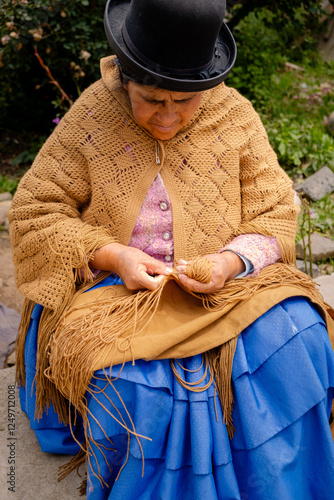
{"x": 153, "y": 233}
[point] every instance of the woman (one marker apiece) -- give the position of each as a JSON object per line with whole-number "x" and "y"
{"x": 155, "y": 165}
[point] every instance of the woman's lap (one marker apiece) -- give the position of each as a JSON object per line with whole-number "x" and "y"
{"x": 283, "y": 373}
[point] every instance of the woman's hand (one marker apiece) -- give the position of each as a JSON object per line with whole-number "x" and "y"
{"x": 134, "y": 267}
{"x": 226, "y": 265}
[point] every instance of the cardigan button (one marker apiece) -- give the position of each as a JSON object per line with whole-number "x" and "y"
{"x": 167, "y": 235}
{"x": 163, "y": 205}
{"x": 168, "y": 258}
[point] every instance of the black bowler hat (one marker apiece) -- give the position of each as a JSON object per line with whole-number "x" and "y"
{"x": 178, "y": 45}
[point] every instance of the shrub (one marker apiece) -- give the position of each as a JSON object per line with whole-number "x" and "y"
{"x": 70, "y": 39}
{"x": 294, "y": 105}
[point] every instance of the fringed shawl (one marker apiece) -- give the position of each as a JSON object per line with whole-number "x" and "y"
{"x": 109, "y": 326}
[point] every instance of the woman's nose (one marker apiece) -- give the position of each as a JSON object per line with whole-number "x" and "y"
{"x": 167, "y": 112}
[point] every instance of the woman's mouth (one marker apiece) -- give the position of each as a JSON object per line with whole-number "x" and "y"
{"x": 164, "y": 128}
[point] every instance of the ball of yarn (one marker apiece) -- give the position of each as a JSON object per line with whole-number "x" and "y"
{"x": 200, "y": 269}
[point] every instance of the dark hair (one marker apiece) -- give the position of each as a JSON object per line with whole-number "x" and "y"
{"x": 124, "y": 78}
{"x": 125, "y": 74}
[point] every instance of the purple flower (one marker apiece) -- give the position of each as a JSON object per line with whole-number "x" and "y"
{"x": 56, "y": 120}
{"x": 295, "y": 97}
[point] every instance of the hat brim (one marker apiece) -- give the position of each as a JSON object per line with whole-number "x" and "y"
{"x": 114, "y": 17}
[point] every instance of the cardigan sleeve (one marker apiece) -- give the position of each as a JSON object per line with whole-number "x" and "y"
{"x": 266, "y": 193}
{"x": 261, "y": 251}
{"x": 50, "y": 240}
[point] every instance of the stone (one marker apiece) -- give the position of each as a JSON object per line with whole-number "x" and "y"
{"x": 301, "y": 266}
{"x": 9, "y": 325}
{"x": 9, "y": 295}
{"x": 318, "y": 184}
{"x": 6, "y": 203}
{"x": 4, "y": 209}
{"x": 10, "y": 282}
{"x": 6, "y": 196}
{"x": 326, "y": 268}
{"x": 297, "y": 200}
{"x": 326, "y": 288}
{"x": 35, "y": 472}
{"x": 11, "y": 359}
{"x": 322, "y": 248}
{"x": 3, "y": 215}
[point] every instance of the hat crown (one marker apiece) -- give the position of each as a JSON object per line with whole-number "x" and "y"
{"x": 174, "y": 34}
{"x": 177, "y": 45}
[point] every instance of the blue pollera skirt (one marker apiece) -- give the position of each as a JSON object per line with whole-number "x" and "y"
{"x": 283, "y": 378}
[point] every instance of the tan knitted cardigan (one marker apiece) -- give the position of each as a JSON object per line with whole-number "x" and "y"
{"x": 85, "y": 189}
{"x": 88, "y": 182}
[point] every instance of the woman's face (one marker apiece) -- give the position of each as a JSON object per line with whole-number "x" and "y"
{"x": 162, "y": 112}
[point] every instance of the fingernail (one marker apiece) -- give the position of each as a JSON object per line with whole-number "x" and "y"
{"x": 169, "y": 270}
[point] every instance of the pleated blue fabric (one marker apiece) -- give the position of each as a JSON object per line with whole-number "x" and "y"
{"x": 283, "y": 376}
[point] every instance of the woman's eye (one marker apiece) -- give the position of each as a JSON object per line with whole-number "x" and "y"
{"x": 156, "y": 102}
{"x": 151, "y": 101}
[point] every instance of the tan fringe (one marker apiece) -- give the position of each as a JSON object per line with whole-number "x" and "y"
{"x": 288, "y": 249}
{"x": 272, "y": 276}
{"x": 109, "y": 321}
{"x": 28, "y": 306}
{"x": 82, "y": 489}
{"x": 194, "y": 386}
{"x": 74, "y": 464}
{"x": 219, "y": 362}
{"x": 75, "y": 263}
{"x": 221, "y": 359}
{"x": 75, "y": 259}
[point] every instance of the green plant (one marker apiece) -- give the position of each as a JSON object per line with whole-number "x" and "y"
{"x": 267, "y": 35}
{"x": 70, "y": 40}
{"x": 8, "y": 184}
{"x": 294, "y": 101}
{"x": 322, "y": 216}
{"x": 27, "y": 155}
{"x": 301, "y": 13}
{"x": 303, "y": 146}
{"x": 315, "y": 217}
{"x": 304, "y": 233}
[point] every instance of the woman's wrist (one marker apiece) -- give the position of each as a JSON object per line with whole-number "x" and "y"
{"x": 106, "y": 258}
{"x": 233, "y": 264}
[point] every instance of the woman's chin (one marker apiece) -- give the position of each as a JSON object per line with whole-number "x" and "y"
{"x": 163, "y": 133}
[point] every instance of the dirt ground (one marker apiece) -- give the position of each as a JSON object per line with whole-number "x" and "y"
{"x": 9, "y": 295}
